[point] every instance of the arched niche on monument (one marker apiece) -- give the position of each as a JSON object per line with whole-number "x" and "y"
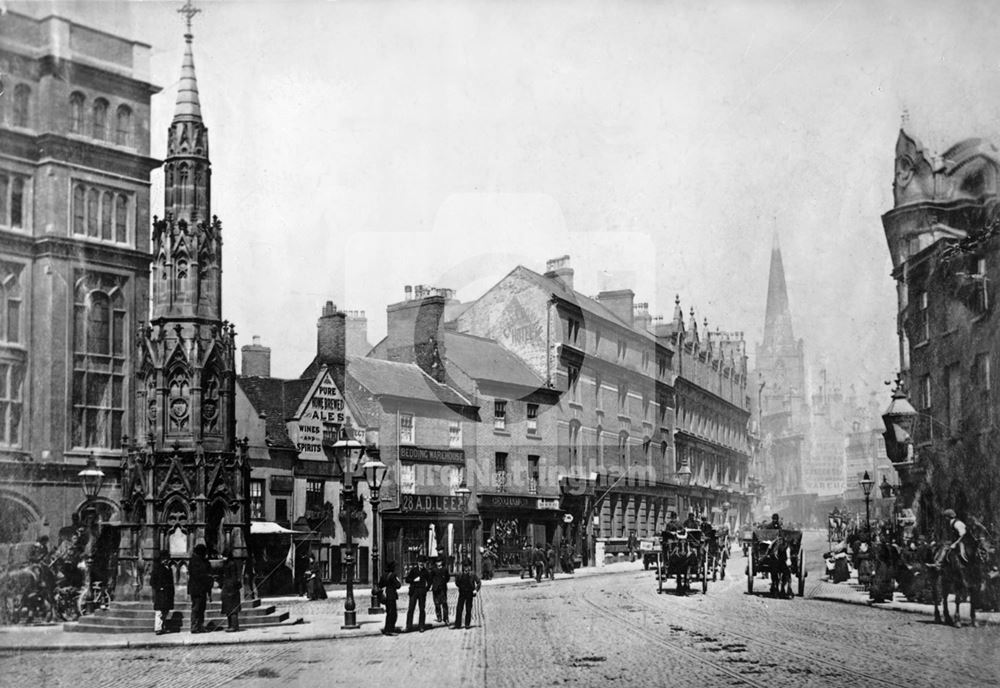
{"x": 177, "y": 536}
{"x": 215, "y": 536}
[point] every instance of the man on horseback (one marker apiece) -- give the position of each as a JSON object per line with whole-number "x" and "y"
{"x": 961, "y": 532}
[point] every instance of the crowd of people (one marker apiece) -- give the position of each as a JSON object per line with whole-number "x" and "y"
{"x": 427, "y": 575}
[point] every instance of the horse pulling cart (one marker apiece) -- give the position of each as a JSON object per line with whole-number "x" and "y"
{"x": 718, "y": 553}
{"x": 777, "y": 553}
{"x": 684, "y": 556}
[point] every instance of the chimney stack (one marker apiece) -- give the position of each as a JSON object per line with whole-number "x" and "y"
{"x": 256, "y": 359}
{"x": 357, "y": 334}
{"x": 643, "y": 320}
{"x": 620, "y": 302}
{"x": 331, "y": 336}
{"x": 415, "y": 329}
{"x": 559, "y": 270}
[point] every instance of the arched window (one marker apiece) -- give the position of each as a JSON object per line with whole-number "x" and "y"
{"x": 99, "y": 324}
{"x": 182, "y": 195}
{"x": 106, "y": 202}
{"x": 121, "y": 219}
{"x": 92, "y": 212}
{"x": 100, "y": 119}
{"x": 76, "y": 102}
{"x": 79, "y": 210}
{"x": 10, "y": 303}
{"x": 22, "y": 96}
{"x": 123, "y": 133}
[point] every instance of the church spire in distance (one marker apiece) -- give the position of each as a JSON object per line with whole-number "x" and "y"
{"x": 777, "y": 317}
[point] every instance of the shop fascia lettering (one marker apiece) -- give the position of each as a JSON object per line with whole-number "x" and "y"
{"x": 431, "y": 503}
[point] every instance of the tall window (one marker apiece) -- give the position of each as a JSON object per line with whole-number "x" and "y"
{"x": 599, "y": 445}
{"x": 257, "y": 499}
{"x": 455, "y": 435}
{"x": 406, "y": 428}
{"x": 100, "y": 367}
{"x": 123, "y": 131}
{"x": 921, "y": 325}
{"x": 623, "y": 450}
{"x": 93, "y": 198}
{"x": 12, "y": 202}
{"x": 533, "y": 474}
{"x": 11, "y": 382}
{"x": 100, "y": 213}
{"x": 79, "y": 210}
{"x": 954, "y": 409}
{"x": 574, "y": 444}
{"x": 622, "y": 349}
{"x": 622, "y": 397}
{"x": 121, "y": 218}
{"x": 500, "y": 471}
{"x": 597, "y": 389}
{"x": 106, "y": 203}
{"x": 573, "y": 376}
{"x": 499, "y": 415}
{"x": 572, "y": 330}
{"x": 10, "y": 303}
{"x": 99, "y": 119}
{"x": 314, "y": 495}
{"x": 76, "y": 102}
{"x": 22, "y": 98}
{"x": 532, "y": 413}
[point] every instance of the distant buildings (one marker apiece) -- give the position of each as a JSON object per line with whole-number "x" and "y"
{"x": 945, "y": 247}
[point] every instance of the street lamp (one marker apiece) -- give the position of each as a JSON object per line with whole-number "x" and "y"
{"x": 374, "y": 471}
{"x": 347, "y": 453}
{"x": 866, "y": 484}
{"x": 91, "y": 480}
{"x": 463, "y": 491}
{"x": 899, "y": 420}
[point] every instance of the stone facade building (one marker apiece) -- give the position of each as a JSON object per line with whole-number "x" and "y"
{"x": 945, "y": 247}
{"x": 74, "y": 262}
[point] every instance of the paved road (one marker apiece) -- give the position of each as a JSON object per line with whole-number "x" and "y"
{"x": 591, "y": 631}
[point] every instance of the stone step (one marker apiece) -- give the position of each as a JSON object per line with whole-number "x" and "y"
{"x": 147, "y": 612}
{"x": 179, "y": 603}
{"x": 177, "y": 622}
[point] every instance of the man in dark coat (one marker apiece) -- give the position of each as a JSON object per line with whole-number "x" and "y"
{"x": 419, "y": 579}
{"x": 230, "y": 584}
{"x": 552, "y": 562}
{"x": 538, "y": 560}
{"x": 389, "y": 586}
{"x": 199, "y": 585}
{"x": 439, "y": 590}
{"x": 468, "y": 585}
{"x": 161, "y": 580}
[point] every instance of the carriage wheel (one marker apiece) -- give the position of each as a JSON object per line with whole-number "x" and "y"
{"x": 750, "y": 575}
{"x": 704, "y": 575}
{"x": 802, "y": 574}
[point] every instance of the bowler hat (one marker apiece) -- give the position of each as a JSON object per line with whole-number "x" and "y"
{"x": 949, "y": 513}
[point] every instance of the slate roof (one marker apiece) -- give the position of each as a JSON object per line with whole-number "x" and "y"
{"x": 277, "y": 399}
{"x": 485, "y": 359}
{"x": 404, "y": 380}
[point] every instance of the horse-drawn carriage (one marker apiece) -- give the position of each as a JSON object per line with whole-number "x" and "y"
{"x": 684, "y": 555}
{"x": 718, "y": 552}
{"x": 777, "y": 553}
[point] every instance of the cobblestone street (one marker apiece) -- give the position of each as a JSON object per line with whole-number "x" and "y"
{"x": 590, "y": 631}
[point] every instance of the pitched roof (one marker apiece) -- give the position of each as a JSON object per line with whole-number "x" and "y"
{"x": 485, "y": 359}
{"x": 405, "y": 380}
{"x": 277, "y": 399}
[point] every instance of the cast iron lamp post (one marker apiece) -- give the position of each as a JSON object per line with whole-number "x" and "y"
{"x": 463, "y": 492}
{"x": 866, "y": 484}
{"x": 375, "y": 472}
{"x": 347, "y": 453}
{"x": 91, "y": 480}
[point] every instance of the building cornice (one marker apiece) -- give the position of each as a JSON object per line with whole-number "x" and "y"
{"x": 72, "y": 151}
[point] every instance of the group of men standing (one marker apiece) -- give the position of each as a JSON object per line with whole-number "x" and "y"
{"x": 539, "y": 561}
{"x": 422, "y": 579}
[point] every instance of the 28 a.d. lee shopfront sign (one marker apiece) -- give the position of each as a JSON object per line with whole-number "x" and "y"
{"x": 428, "y": 504}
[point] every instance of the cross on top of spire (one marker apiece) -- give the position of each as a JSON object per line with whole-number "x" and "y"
{"x": 188, "y": 10}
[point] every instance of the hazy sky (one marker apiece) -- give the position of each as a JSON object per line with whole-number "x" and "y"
{"x": 361, "y": 146}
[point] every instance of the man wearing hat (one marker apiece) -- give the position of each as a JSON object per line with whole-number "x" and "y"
{"x": 439, "y": 589}
{"x": 468, "y": 585}
{"x": 419, "y": 579}
{"x": 959, "y": 528}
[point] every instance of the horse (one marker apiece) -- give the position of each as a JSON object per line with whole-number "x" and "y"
{"x": 28, "y": 593}
{"x": 680, "y": 556}
{"x": 778, "y": 560}
{"x": 951, "y": 575}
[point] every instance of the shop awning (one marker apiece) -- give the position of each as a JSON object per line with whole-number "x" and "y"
{"x": 269, "y": 528}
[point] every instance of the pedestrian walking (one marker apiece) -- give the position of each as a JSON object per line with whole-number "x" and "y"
{"x": 489, "y": 560}
{"x": 418, "y": 578}
{"x": 199, "y": 585}
{"x": 230, "y": 584}
{"x": 468, "y": 585}
{"x": 161, "y": 580}
{"x": 538, "y": 560}
{"x": 439, "y": 590}
{"x": 552, "y": 561}
{"x": 388, "y": 587}
{"x": 315, "y": 580}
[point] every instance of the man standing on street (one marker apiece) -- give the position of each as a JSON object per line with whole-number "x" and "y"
{"x": 419, "y": 579}
{"x": 389, "y": 586}
{"x": 199, "y": 585}
{"x": 161, "y": 580}
{"x": 538, "y": 562}
{"x": 468, "y": 585}
{"x": 439, "y": 590}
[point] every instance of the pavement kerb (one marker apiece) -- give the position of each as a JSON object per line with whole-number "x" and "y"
{"x": 19, "y": 639}
{"x": 982, "y": 618}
